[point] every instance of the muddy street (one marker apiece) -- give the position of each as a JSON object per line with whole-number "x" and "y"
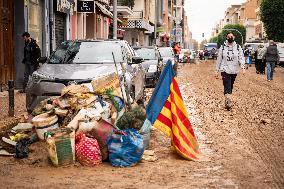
{"x": 241, "y": 148}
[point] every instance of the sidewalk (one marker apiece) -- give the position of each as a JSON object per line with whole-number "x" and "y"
{"x": 20, "y": 100}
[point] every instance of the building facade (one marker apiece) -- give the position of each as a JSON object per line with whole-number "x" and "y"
{"x": 91, "y": 20}
{"x": 245, "y": 14}
{"x": 259, "y": 28}
{"x": 48, "y": 22}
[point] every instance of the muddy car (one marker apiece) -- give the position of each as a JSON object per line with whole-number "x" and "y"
{"x": 167, "y": 53}
{"x": 82, "y": 61}
{"x": 153, "y": 64}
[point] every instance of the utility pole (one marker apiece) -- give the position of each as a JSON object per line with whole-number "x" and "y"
{"x": 156, "y": 20}
{"x": 175, "y": 20}
{"x": 114, "y": 19}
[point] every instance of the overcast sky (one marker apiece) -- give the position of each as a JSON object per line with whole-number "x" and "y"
{"x": 203, "y": 14}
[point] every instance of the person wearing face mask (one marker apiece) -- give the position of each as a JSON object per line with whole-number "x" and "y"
{"x": 230, "y": 60}
{"x": 31, "y": 54}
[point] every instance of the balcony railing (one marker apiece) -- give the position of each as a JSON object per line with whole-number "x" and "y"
{"x": 136, "y": 15}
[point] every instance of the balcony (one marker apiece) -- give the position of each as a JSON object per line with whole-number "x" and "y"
{"x": 122, "y": 10}
{"x": 137, "y": 21}
{"x": 136, "y": 15}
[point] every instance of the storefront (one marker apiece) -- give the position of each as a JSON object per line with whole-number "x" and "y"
{"x": 62, "y": 20}
{"x": 91, "y": 20}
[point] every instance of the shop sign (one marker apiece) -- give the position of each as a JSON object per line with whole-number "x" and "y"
{"x": 86, "y": 6}
{"x": 65, "y": 6}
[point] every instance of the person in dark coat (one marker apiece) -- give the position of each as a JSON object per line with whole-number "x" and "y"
{"x": 31, "y": 54}
{"x": 272, "y": 56}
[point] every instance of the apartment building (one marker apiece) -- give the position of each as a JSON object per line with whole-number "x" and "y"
{"x": 249, "y": 18}
{"x": 259, "y": 28}
{"x": 244, "y": 14}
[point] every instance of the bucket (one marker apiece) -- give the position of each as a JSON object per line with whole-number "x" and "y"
{"x": 146, "y": 139}
{"x": 44, "y": 123}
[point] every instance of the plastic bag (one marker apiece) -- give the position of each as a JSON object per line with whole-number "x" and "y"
{"x": 87, "y": 150}
{"x": 125, "y": 148}
{"x": 22, "y": 148}
{"x": 61, "y": 146}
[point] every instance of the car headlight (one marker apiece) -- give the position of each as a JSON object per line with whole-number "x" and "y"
{"x": 37, "y": 77}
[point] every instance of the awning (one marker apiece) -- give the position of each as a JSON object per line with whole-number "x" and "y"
{"x": 104, "y": 10}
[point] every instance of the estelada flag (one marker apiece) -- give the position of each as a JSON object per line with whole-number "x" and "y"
{"x": 166, "y": 111}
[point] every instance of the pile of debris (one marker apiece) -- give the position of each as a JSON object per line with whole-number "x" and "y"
{"x": 89, "y": 123}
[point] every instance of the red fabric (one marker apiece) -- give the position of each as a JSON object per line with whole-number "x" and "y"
{"x": 177, "y": 49}
{"x": 87, "y": 150}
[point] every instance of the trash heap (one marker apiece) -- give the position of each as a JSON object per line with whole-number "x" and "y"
{"x": 88, "y": 123}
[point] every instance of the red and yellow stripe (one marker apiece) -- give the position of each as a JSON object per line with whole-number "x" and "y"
{"x": 173, "y": 121}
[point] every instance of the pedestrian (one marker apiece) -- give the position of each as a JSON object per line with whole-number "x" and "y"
{"x": 246, "y": 54}
{"x": 31, "y": 54}
{"x": 214, "y": 53}
{"x": 206, "y": 54}
{"x": 272, "y": 56}
{"x": 230, "y": 60}
{"x": 201, "y": 55}
{"x": 250, "y": 52}
{"x": 259, "y": 59}
{"x": 177, "y": 50}
{"x": 137, "y": 43}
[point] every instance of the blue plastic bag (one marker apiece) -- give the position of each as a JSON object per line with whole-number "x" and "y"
{"x": 125, "y": 148}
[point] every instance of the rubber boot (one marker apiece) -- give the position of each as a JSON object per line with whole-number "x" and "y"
{"x": 228, "y": 102}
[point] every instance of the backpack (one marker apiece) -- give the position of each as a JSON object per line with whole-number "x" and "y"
{"x": 223, "y": 48}
{"x": 272, "y": 50}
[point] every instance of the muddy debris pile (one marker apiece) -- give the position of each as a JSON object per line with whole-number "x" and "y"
{"x": 87, "y": 123}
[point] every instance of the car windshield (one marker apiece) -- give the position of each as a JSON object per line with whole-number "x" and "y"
{"x": 87, "y": 53}
{"x": 166, "y": 52}
{"x": 146, "y": 54}
{"x": 58, "y": 56}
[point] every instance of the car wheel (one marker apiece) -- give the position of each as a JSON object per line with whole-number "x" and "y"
{"x": 142, "y": 101}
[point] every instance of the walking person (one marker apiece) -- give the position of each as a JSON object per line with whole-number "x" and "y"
{"x": 246, "y": 54}
{"x": 259, "y": 59}
{"x": 31, "y": 55}
{"x": 272, "y": 56}
{"x": 250, "y": 52}
{"x": 230, "y": 60}
{"x": 177, "y": 51}
{"x": 206, "y": 54}
{"x": 213, "y": 53}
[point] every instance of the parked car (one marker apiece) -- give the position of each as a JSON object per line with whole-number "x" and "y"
{"x": 212, "y": 49}
{"x": 167, "y": 53}
{"x": 153, "y": 63}
{"x": 280, "y": 47}
{"x": 81, "y": 61}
